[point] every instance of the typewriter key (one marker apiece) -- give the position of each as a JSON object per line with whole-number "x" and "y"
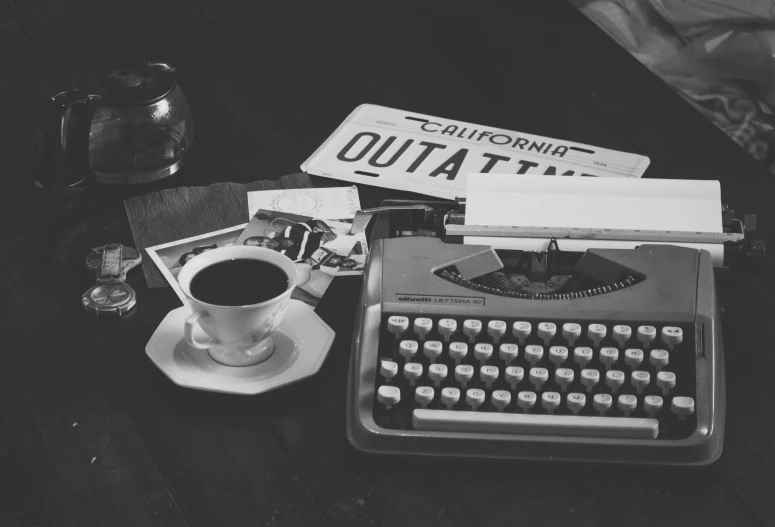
{"x": 472, "y": 328}
{"x": 526, "y": 401}
{"x": 602, "y": 403}
{"x": 614, "y": 379}
{"x": 652, "y": 404}
{"x": 500, "y": 399}
{"x": 496, "y": 329}
{"x": 389, "y": 395}
{"x": 627, "y": 404}
{"x": 576, "y": 402}
{"x": 659, "y": 359}
{"x": 622, "y": 334}
{"x": 482, "y": 353}
{"x": 590, "y": 379}
{"x": 474, "y": 398}
{"x": 646, "y": 334}
{"x": 571, "y": 332}
{"x": 550, "y": 401}
{"x": 682, "y": 406}
{"x": 508, "y": 353}
{"x": 450, "y": 397}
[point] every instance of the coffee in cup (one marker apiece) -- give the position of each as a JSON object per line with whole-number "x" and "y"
{"x": 239, "y": 296}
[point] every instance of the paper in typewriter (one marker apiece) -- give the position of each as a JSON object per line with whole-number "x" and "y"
{"x": 614, "y": 203}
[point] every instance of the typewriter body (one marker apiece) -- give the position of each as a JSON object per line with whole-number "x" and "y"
{"x": 611, "y": 355}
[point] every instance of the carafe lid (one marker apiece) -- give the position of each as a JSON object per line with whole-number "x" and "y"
{"x": 129, "y": 86}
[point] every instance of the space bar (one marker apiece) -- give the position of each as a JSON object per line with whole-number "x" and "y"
{"x": 530, "y": 424}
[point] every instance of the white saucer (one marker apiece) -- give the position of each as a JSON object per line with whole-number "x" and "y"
{"x": 301, "y": 344}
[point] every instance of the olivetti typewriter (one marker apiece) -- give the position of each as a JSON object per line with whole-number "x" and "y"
{"x": 608, "y": 355}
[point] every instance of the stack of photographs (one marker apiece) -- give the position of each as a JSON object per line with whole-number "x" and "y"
{"x": 321, "y": 248}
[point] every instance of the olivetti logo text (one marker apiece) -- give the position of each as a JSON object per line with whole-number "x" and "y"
{"x": 444, "y": 300}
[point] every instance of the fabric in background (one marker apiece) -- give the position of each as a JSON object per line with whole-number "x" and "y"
{"x": 718, "y": 54}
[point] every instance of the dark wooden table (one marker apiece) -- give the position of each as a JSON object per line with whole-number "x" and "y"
{"x": 107, "y": 439}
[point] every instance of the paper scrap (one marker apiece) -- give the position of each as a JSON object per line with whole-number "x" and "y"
{"x": 338, "y": 203}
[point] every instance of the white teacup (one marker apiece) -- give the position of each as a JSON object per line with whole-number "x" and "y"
{"x": 238, "y": 335}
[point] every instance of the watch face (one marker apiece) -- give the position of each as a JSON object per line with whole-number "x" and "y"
{"x": 109, "y": 298}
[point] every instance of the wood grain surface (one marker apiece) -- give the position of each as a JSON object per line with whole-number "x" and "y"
{"x": 267, "y": 83}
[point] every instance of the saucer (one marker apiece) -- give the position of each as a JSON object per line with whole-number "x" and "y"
{"x": 301, "y": 341}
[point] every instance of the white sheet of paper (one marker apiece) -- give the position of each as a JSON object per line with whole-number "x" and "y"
{"x": 338, "y": 203}
{"x": 621, "y": 203}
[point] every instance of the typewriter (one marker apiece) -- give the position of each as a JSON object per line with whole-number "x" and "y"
{"x": 610, "y": 355}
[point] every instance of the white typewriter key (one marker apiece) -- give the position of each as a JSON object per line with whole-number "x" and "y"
{"x": 458, "y": 351}
{"x": 646, "y": 334}
{"x": 596, "y": 333}
{"x": 590, "y": 379}
{"x": 652, "y": 404}
{"x": 389, "y": 395}
{"x": 571, "y": 332}
{"x": 408, "y": 349}
{"x": 474, "y": 398}
{"x": 447, "y": 327}
{"x": 432, "y": 350}
{"x": 508, "y": 353}
{"x": 659, "y": 359}
{"x": 388, "y": 369}
{"x": 633, "y": 357}
{"x": 666, "y": 381}
{"x": 672, "y": 336}
{"x": 640, "y": 380}
{"x": 422, "y": 326}
{"x": 614, "y": 379}
{"x": 526, "y": 401}
{"x": 471, "y": 329}
{"x": 463, "y": 374}
{"x": 539, "y": 376}
{"x": 500, "y": 399}
{"x": 576, "y": 402}
{"x": 496, "y": 329}
{"x": 682, "y": 406}
{"x": 450, "y": 397}
{"x": 483, "y": 352}
{"x": 622, "y": 334}
{"x": 534, "y": 354}
{"x": 608, "y": 357}
{"x": 521, "y": 330}
{"x": 412, "y": 372}
{"x": 582, "y": 356}
{"x": 546, "y": 331}
{"x": 437, "y": 373}
{"x": 558, "y": 354}
{"x": 488, "y": 375}
{"x": 398, "y": 325}
{"x": 627, "y": 404}
{"x": 550, "y": 401}
{"x": 602, "y": 403}
{"x": 563, "y": 377}
{"x": 424, "y": 395}
{"x": 514, "y": 376}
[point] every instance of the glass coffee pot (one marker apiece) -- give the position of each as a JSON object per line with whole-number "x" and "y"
{"x": 126, "y": 127}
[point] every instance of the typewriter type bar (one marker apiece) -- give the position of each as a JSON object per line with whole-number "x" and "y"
{"x": 540, "y": 425}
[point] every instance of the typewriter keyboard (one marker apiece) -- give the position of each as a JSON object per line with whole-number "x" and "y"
{"x": 536, "y": 377}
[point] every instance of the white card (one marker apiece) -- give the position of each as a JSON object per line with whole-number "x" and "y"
{"x": 339, "y": 203}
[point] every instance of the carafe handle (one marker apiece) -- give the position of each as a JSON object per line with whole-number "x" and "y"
{"x": 60, "y": 155}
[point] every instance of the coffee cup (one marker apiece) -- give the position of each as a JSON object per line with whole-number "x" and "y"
{"x": 238, "y": 295}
